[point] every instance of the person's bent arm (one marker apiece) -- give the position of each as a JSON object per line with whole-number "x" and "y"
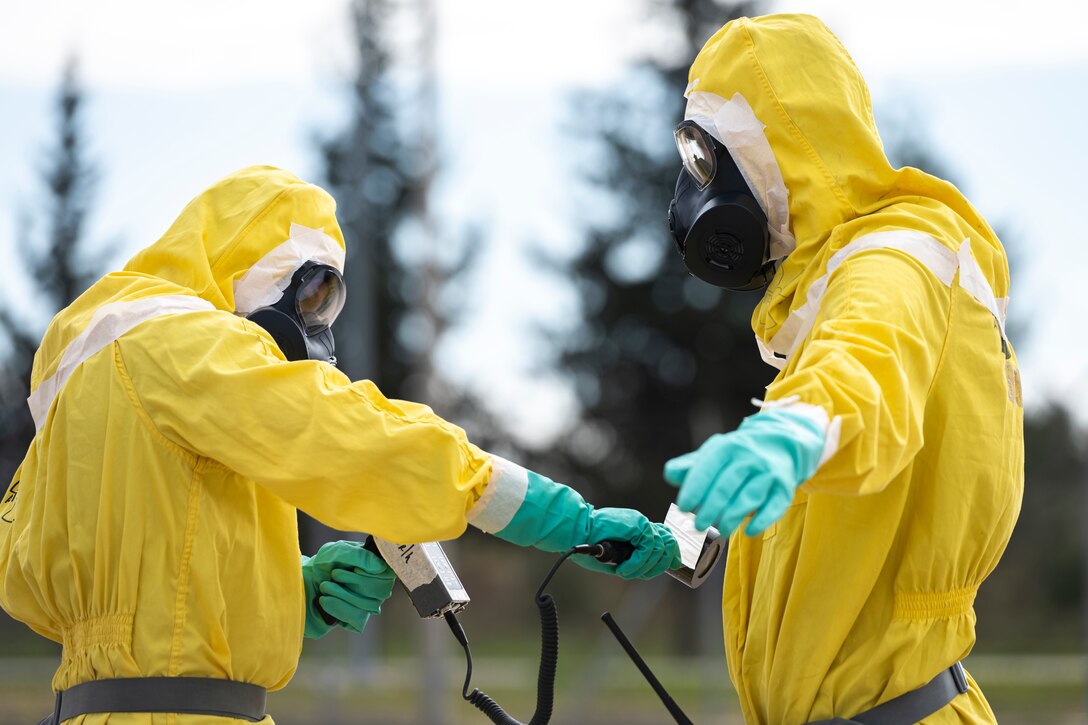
{"x": 340, "y": 451}
{"x": 845, "y": 415}
{"x": 347, "y": 455}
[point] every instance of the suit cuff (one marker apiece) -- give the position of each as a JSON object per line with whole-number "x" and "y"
{"x": 502, "y": 498}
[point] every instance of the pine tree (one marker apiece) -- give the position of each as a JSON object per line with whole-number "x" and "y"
{"x": 59, "y": 262}
{"x": 380, "y": 169}
{"x": 368, "y": 168}
{"x": 659, "y": 360}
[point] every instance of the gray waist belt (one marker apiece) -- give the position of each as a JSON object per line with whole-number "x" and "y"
{"x": 914, "y": 705}
{"x": 183, "y": 695}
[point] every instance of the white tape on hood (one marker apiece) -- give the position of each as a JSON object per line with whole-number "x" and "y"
{"x": 736, "y": 126}
{"x": 266, "y": 280}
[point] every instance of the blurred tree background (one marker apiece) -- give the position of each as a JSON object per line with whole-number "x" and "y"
{"x": 59, "y": 262}
{"x": 406, "y": 276}
{"x": 658, "y": 360}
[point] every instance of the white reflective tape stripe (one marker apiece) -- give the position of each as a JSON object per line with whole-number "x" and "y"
{"x": 265, "y": 281}
{"x": 937, "y": 258}
{"x": 108, "y": 324}
{"x": 736, "y": 126}
{"x": 502, "y": 498}
{"x": 932, "y": 254}
{"x": 768, "y": 355}
{"x": 974, "y": 282}
{"x": 831, "y": 440}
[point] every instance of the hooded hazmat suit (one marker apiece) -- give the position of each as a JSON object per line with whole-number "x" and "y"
{"x": 163, "y": 384}
{"x": 151, "y": 527}
{"x": 886, "y": 318}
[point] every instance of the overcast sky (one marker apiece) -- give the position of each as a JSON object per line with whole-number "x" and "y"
{"x": 183, "y": 92}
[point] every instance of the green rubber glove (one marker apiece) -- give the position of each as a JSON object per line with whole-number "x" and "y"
{"x": 752, "y": 470}
{"x": 346, "y": 582}
{"x": 554, "y": 517}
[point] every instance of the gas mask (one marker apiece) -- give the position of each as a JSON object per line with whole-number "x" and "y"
{"x": 300, "y": 320}
{"x": 718, "y": 225}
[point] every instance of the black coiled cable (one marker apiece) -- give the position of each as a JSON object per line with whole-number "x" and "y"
{"x": 549, "y": 653}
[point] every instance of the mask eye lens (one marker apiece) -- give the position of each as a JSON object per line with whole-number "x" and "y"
{"x": 320, "y": 298}
{"x": 696, "y": 153}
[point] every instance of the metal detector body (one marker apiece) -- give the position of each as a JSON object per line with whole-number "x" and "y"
{"x": 426, "y": 575}
{"x": 437, "y": 592}
{"x": 699, "y": 550}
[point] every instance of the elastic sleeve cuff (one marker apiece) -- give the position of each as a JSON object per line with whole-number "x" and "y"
{"x": 502, "y": 498}
{"x": 831, "y": 427}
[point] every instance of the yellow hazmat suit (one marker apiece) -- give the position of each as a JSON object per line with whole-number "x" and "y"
{"x": 151, "y": 527}
{"x": 886, "y": 319}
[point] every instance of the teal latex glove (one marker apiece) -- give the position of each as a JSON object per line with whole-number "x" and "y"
{"x": 753, "y": 470}
{"x": 554, "y": 517}
{"x": 348, "y": 583}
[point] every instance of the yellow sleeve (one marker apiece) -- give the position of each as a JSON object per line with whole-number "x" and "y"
{"x": 340, "y": 451}
{"x": 869, "y": 362}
